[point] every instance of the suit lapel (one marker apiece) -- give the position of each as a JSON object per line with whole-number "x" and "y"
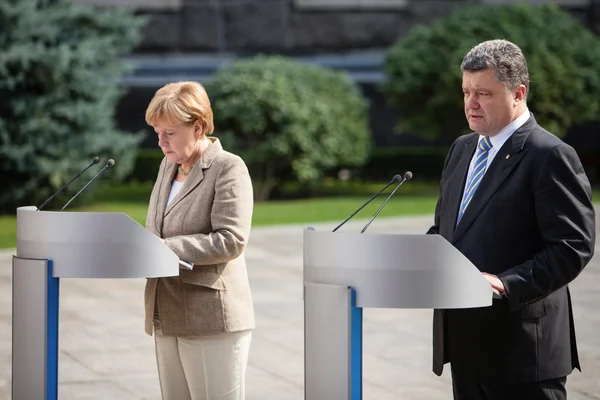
{"x": 167, "y": 177}
{"x": 457, "y": 181}
{"x": 197, "y": 174}
{"x": 505, "y": 161}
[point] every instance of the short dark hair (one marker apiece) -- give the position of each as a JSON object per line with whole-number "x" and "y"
{"x": 504, "y": 57}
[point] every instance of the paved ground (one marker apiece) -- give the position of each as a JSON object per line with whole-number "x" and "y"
{"x": 105, "y": 354}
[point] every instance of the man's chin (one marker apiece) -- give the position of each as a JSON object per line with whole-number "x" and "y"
{"x": 479, "y": 128}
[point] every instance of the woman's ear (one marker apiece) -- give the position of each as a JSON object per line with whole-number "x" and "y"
{"x": 198, "y": 129}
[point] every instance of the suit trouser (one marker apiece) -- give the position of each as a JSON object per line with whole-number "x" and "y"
{"x": 552, "y": 389}
{"x": 204, "y": 367}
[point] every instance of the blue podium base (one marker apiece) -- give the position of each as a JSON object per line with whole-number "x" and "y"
{"x": 34, "y": 330}
{"x": 332, "y": 343}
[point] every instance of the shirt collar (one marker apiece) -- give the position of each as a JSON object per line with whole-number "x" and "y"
{"x": 501, "y": 137}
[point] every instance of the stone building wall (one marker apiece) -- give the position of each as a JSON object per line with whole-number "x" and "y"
{"x": 296, "y": 26}
{"x": 192, "y": 38}
{"x": 281, "y": 26}
{"x": 284, "y": 26}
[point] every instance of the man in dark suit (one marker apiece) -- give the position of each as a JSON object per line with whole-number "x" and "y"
{"x": 514, "y": 199}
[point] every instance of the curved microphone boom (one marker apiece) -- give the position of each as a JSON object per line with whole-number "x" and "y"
{"x": 396, "y": 178}
{"x": 109, "y": 164}
{"x": 95, "y": 161}
{"x": 407, "y": 175}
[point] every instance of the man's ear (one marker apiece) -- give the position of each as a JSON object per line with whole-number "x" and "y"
{"x": 520, "y": 93}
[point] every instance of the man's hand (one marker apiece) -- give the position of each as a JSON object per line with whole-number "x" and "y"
{"x": 495, "y": 282}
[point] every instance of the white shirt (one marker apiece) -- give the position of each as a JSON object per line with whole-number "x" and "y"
{"x": 175, "y": 188}
{"x": 498, "y": 141}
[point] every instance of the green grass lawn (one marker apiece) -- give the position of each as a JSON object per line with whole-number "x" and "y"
{"x": 300, "y": 211}
{"x": 418, "y": 199}
{"x": 133, "y": 199}
{"x": 337, "y": 209}
{"x": 8, "y": 231}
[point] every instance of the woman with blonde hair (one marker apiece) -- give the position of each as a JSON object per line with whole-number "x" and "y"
{"x": 201, "y": 207}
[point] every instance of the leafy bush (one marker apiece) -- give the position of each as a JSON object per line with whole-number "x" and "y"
{"x": 426, "y": 163}
{"x": 286, "y": 118}
{"x": 146, "y": 165}
{"x": 424, "y": 76}
{"x": 59, "y": 72}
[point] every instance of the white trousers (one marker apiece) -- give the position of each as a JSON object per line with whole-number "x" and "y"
{"x": 204, "y": 367}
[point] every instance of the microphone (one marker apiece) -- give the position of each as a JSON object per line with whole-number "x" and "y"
{"x": 407, "y": 175}
{"x": 396, "y": 178}
{"x": 109, "y": 164}
{"x": 95, "y": 161}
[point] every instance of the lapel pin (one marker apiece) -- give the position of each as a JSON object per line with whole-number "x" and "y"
{"x": 507, "y": 156}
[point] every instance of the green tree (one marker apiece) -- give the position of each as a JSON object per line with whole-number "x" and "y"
{"x": 284, "y": 117}
{"x": 59, "y": 71}
{"x": 424, "y": 77}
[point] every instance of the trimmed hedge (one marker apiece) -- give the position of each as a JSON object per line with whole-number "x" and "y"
{"x": 146, "y": 165}
{"x": 426, "y": 163}
{"x": 591, "y": 164}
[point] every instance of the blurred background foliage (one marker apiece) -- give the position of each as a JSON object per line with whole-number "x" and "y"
{"x": 424, "y": 76}
{"x": 289, "y": 125}
{"x": 285, "y": 118}
{"x": 59, "y": 71}
{"x": 303, "y": 130}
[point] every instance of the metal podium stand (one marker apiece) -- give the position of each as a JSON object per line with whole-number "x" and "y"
{"x": 54, "y": 245}
{"x": 346, "y": 272}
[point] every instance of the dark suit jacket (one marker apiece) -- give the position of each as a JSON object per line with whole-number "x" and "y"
{"x": 531, "y": 222}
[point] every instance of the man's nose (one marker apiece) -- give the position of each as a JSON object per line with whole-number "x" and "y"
{"x": 471, "y": 102}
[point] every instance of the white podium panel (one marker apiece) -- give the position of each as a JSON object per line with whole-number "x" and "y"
{"x": 93, "y": 245}
{"x": 395, "y": 271}
{"x": 382, "y": 271}
{"x": 54, "y": 245}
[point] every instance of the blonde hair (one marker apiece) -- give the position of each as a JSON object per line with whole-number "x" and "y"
{"x": 181, "y": 103}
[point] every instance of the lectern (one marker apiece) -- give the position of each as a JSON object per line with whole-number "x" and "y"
{"x": 54, "y": 245}
{"x": 346, "y": 272}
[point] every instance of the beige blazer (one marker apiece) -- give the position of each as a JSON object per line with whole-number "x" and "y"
{"x": 207, "y": 223}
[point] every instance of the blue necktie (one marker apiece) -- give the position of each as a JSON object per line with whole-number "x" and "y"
{"x": 480, "y": 165}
